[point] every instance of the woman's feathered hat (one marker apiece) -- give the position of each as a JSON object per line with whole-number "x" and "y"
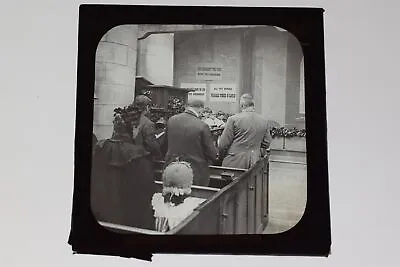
{"x": 124, "y": 118}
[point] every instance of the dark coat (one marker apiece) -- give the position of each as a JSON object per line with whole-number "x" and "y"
{"x": 161, "y": 140}
{"x": 94, "y": 142}
{"x": 190, "y": 139}
{"x": 147, "y": 137}
{"x": 244, "y": 136}
{"x": 122, "y": 183}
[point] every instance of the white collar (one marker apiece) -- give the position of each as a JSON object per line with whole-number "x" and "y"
{"x": 194, "y": 111}
{"x": 249, "y": 109}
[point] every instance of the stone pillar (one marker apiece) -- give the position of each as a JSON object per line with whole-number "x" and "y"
{"x": 115, "y": 76}
{"x": 302, "y": 109}
{"x": 156, "y": 58}
{"x": 294, "y": 57}
{"x": 247, "y": 44}
{"x": 269, "y": 61}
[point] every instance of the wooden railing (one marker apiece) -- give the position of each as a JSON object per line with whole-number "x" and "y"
{"x": 240, "y": 207}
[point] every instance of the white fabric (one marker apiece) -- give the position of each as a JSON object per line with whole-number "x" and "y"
{"x": 174, "y": 214}
{"x": 159, "y": 135}
{"x": 177, "y": 191}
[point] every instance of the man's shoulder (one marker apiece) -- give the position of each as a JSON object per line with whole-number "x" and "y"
{"x": 245, "y": 115}
{"x": 177, "y": 116}
{"x": 235, "y": 116}
{"x": 183, "y": 118}
{"x": 146, "y": 121}
{"x": 261, "y": 118}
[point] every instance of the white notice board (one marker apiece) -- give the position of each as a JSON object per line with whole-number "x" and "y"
{"x": 208, "y": 72}
{"x": 198, "y": 94}
{"x": 223, "y": 93}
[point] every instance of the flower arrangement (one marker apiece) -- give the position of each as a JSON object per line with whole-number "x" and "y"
{"x": 176, "y": 105}
{"x": 287, "y": 133}
{"x": 156, "y": 113}
{"x": 222, "y": 115}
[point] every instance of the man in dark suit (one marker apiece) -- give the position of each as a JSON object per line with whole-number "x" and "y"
{"x": 246, "y": 136}
{"x": 189, "y": 139}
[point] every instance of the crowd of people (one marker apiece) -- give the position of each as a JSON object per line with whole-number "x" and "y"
{"x": 123, "y": 189}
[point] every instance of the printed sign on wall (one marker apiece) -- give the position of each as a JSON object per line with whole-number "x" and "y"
{"x": 209, "y": 72}
{"x": 223, "y": 92}
{"x": 198, "y": 94}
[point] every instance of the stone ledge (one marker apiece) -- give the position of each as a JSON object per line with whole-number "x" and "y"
{"x": 288, "y": 156}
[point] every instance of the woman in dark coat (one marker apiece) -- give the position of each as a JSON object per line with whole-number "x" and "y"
{"x": 122, "y": 176}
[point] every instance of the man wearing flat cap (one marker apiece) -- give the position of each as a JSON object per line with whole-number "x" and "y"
{"x": 189, "y": 139}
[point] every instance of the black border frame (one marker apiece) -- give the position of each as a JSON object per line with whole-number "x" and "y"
{"x": 310, "y": 237}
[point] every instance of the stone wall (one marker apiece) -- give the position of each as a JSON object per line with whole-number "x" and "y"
{"x": 219, "y": 47}
{"x": 294, "y": 57}
{"x": 258, "y": 60}
{"x": 156, "y": 58}
{"x": 115, "y": 75}
{"x": 263, "y": 61}
{"x": 269, "y": 79}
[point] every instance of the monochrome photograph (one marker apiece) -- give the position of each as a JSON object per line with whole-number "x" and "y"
{"x": 199, "y": 130}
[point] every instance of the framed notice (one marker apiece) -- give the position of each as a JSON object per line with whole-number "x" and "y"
{"x": 198, "y": 94}
{"x": 223, "y": 93}
{"x": 209, "y": 72}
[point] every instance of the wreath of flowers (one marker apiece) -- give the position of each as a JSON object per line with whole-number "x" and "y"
{"x": 176, "y": 105}
{"x": 287, "y": 133}
{"x": 275, "y": 132}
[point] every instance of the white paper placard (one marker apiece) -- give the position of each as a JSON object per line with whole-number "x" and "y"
{"x": 198, "y": 94}
{"x": 209, "y": 72}
{"x": 223, "y": 93}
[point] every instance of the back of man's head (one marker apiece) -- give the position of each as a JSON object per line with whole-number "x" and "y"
{"x": 196, "y": 104}
{"x": 246, "y": 100}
